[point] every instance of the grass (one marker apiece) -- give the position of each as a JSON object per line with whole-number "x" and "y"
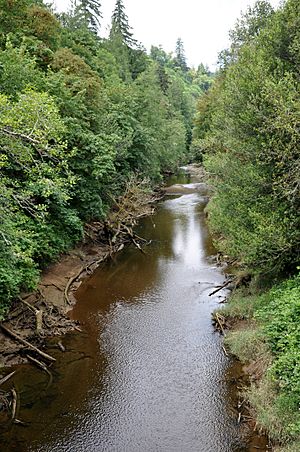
{"x": 266, "y": 337}
{"x": 247, "y": 344}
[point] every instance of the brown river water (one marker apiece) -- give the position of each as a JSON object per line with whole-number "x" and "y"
{"x": 148, "y": 372}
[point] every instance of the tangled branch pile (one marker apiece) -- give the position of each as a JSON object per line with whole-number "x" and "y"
{"x": 136, "y": 202}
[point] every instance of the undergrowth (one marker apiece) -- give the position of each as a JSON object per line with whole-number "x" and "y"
{"x": 269, "y": 339}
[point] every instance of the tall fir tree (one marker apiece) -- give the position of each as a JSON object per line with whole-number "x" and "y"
{"x": 87, "y": 12}
{"x": 120, "y": 25}
{"x": 180, "y": 59}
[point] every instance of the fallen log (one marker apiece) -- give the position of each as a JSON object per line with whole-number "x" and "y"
{"x": 221, "y": 287}
{"x": 27, "y": 344}
{"x": 78, "y": 274}
{"x": 70, "y": 282}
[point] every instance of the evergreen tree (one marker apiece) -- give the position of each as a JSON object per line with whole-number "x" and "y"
{"x": 180, "y": 59}
{"x": 120, "y": 25}
{"x": 87, "y": 12}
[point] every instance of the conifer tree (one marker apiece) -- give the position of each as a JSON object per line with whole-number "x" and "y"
{"x": 88, "y": 12}
{"x": 180, "y": 59}
{"x": 120, "y": 25}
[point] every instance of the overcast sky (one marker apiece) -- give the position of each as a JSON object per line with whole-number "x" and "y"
{"x": 203, "y": 25}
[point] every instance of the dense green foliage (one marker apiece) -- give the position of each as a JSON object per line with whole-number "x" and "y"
{"x": 272, "y": 342}
{"x": 247, "y": 131}
{"x": 79, "y": 115}
{"x": 279, "y": 317}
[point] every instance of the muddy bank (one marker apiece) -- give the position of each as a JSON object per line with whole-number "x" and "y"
{"x": 50, "y": 301}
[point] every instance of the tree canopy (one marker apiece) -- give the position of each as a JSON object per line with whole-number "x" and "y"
{"x": 247, "y": 131}
{"x": 79, "y": 116}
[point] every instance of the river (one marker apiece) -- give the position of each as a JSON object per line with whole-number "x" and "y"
{"x": 148, "y": 372}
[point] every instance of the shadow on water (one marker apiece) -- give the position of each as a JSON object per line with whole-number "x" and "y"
{"x": 148, "y": 372}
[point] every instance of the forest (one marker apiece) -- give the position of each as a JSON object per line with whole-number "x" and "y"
{"x": 79, "y": 115}
{"x": 247, "y": 135}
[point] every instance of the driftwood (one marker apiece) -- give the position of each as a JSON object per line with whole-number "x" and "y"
{"x": 78, "y": 274}
{"x": 42, "y": 366}
{"x": 19, "y": 422}
{"x": 27, "y": 344}
{"x": 69, "y": 283}
{"x": 77, "y": 329}
{"x": 225, "y": 351}
{"x": 218, "y": 320}
{"x": 13, "y": 404}
{"x": 38, "y": 363}
{"x": 221, "y": 287}
{"x": 7, "y": 377}
{"x": 239, "y": 418}
{"x": 61, "y": 346}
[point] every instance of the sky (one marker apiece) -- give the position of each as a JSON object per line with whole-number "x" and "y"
{"x": 203, "y": 25}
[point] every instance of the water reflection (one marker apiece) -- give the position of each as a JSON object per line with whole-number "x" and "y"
{"x": 147, "y": 374}
{"x": 187, "y": 240}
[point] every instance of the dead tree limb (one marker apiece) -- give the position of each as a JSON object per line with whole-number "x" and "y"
{"x": 13, "y": 404}
{"x": 37, "y": 362}
{"x": 70, "y": 282}
{"x": 78, "y": 274}
{"x": 43, "y": 366}
{"x": 27, "y": 344}
{"x": 7, "y": 377}
{"x": 22, "y": 136}
{"x": 225, "y": 351}
{"x": 221, "y": 287}
{"x": 220, "y": 323}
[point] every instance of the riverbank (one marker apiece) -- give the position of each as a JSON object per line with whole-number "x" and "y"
{"x": 262, "y": 331}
